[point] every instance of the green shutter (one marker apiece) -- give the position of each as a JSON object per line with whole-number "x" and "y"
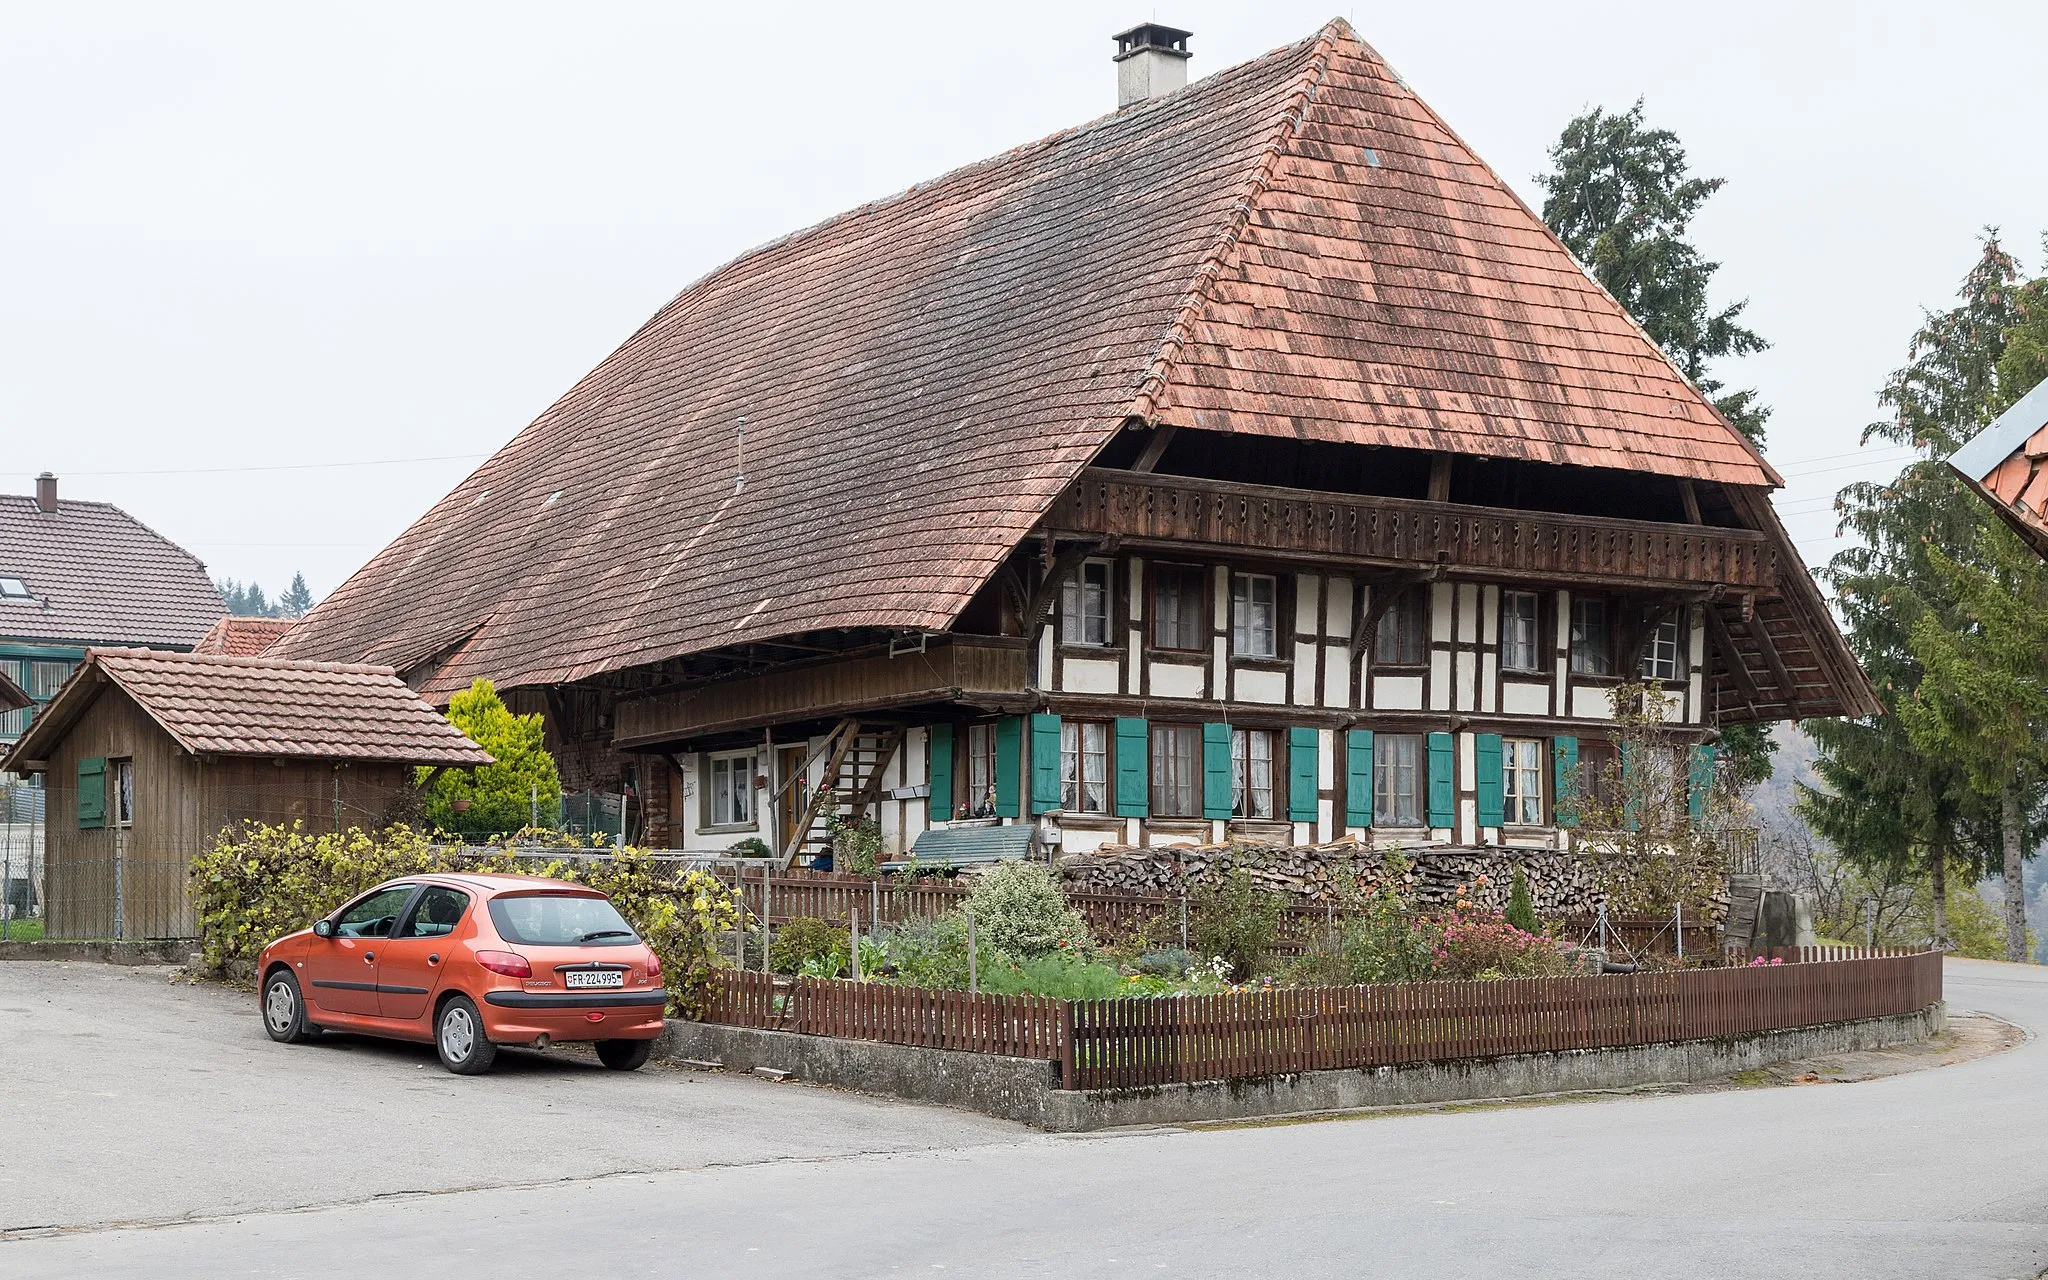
{"x": 1216, "y": 788}
{"x": 92, "y": 792}
{"x": 1358, "y": 778}
{"x": 938, "y": 751}
{"x": 1700, "y": 781}
{"x": 1567, "y": 786}
{"x": 1301, "y": 775}
{"x": 1009, "y": 760}
{"x": 1133, "y": 777}
{"x": 1631, "y": 816}
{"x": 1489, "y": 781}
{"x": 1045, "y": 763}
{"x": 1443, "y": 781}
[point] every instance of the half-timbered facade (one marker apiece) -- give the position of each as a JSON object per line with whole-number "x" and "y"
{"x": 1251, "y": 461}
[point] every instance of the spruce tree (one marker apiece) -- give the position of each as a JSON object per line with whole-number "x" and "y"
{"x": 297, "y": 599}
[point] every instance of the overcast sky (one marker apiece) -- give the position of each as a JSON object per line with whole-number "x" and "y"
{"x": 277, "y": 276}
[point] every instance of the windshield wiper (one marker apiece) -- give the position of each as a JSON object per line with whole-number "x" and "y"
{"x": 606, "y": 933}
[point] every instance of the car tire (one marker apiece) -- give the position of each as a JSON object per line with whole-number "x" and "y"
{"x": 284, "y": 1009}
{"x": 624, "y": 1055}
{"x": 459, "y": 1038}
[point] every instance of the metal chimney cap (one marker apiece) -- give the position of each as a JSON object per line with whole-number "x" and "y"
{"x": 1155, "y": 37}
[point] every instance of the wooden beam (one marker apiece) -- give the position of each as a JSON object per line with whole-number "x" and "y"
{"x": 1064, "y": 563}
{"x": 1440, "y": 478}
{"x": 1689, "y": 497}
{"x": 1155, "y": 449}
{"x": 1779, "y": 671}
{"x": 1385, "y": 588}
{"x": 1731, "y": 657}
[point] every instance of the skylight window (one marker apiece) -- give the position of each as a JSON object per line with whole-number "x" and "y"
{"x": 14, "y": 589}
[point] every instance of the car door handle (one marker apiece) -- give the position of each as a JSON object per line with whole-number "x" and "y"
{"x": 434, "y": 958}
{"x": 369, "y": 957}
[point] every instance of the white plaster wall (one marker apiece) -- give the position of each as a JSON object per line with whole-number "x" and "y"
{"x": 1090, "y": 675}
{"x": 1440, "y": 611}
{"x": 1439, "y": 681}
{"x": 1397, "y": 693}
{"x": 1563, "y": 643}
{"x": 1262, "y": 686}
{"x": 1304, "y": 674}
{"x": 1523, "y": 698}
{"x": 1308, "y": 603}
{"x": 1592, "y": 704}
{"x": 1045, "y": 657}
{"x": 1468, "y": 680}
{"x": 1468, "y": 613}
{"x": 1176, "y": 680}
{"x": 1696, "y": 652}
{"x": 1135, "y": 609}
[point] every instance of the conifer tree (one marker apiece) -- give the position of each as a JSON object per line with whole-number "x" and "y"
{"x": 297, "y": 599}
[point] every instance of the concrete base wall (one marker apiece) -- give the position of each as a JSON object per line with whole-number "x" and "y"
{"x": 175, "y": 951}
{"x": 1025, "y": 1090}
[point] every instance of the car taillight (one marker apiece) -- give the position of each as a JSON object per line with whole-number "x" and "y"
{"x": 511, "y": 964}
{"x": 653, "y": 967}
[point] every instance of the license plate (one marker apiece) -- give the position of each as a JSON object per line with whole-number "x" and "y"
{"x": 594, "y": 978}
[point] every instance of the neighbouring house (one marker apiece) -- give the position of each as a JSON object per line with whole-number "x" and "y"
{"x": 1251, "y": 461}
{"x": 242, "y": 637}
{"x": 76, "y": 574}
{"x": 149, "y": 755}
{"x": 12, "y": 696}
{"x": 2003, "y": 462}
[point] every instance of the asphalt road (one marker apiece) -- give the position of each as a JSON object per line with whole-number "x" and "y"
{"x": 131, "y": 1101}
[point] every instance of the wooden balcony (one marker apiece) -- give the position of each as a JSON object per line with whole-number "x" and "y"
{"x": 972, "y": 669}
{"x": 1490, "y": 542}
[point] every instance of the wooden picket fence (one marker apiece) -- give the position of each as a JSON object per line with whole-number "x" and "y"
{"x": 1135, "y": 1043}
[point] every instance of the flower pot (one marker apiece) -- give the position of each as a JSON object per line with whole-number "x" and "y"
{"x": 460, "y": 806}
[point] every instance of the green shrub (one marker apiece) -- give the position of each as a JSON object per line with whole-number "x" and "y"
{"x": 1521, "y": 911}
{"x": 1236, "y": 921}
{"x": 807, "y": 940}
{"x": 263, "y": 882}
{"x": 501, "y": 795}
{"x": 1061, "y": 975}
{"x": 1020, "y": 913}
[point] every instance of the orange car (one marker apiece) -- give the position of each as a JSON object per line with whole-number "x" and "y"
{"x": 470, "y": 963}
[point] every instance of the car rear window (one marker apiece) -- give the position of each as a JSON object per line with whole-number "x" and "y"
{"x": 560, "y": 920}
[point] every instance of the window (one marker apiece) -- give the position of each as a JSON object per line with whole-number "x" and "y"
{"x": 1177, "y": 770}
{"x": 1254, "y": 611}
{"x": 1397, "y": 779}
{"x": 14, "y": 589}
{"x": 1660, "y": 654}
{"x": 560, "y": 920}
{"x": 1520, "y": 650}
{"x": 981, "y": 770}
{"x": 1251, "y": 773}
{"x": 1084, "y": 605}
{"x": 1522, "y": 794}
{"x": 1084, "y": 766}
{"x": 121, "y": 774}
{"x": 436, "y": 914}
{"x": 732, "y": 789}
{"x": 1400, "y": 638}
{"x": 1597, "y": 783}
{"x": 375, "y": 915}
{"x": 1178, "y": 600}
{"x": 1592, "y": 652}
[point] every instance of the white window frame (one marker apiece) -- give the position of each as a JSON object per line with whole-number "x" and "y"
{"x": 730, "y": 797}
{"x": 1084, "y": 766}
{"x": 1521, "y": 635}
{"x": 1387, "y": 771}
{"x": 1583, "y": 651}
{"x": 1661, "y": 658}
{"x": 1085, "y": 604}
{"x": 1251, "y": 773}
{"x": 1522, "y": 781}
{"x": 981, "y": 766}
{"x": 1254, "y": 615}
{"x": 121, "y": 791}
{"x": 13, "y": 588}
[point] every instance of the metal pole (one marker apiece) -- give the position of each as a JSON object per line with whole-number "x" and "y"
{"x": 533, "y": 822}
{"x": 1603, "y": 926}
{"x": 853, "y": 936}
{"x": 875, "y": 905}
{"x": 973, "y": 971}
{"x": 1678, "y": 922}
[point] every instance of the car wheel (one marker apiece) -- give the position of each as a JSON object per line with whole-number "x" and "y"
{"x": 624, "y": 1055}
{"x": 284, "y": 1010}
{"x": 459, "y": 1036}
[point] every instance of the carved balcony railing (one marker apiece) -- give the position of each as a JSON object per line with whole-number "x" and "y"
{"x": 1467, "y": 541}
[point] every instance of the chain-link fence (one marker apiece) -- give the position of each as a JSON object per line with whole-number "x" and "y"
{"x": 21, "y": 859}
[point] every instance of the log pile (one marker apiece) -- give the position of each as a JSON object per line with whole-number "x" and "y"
{"x": 1561, "y": 885}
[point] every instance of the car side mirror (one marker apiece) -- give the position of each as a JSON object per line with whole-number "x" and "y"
{"x": 323, "y": 928}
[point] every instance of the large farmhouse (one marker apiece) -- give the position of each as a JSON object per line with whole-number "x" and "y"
{"x": 1251, "y": 460}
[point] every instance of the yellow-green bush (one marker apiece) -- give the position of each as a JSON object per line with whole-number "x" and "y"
{"x": 261, "y": 883}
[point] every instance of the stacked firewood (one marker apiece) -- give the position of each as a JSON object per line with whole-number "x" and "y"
{"x": 1561, "y": 885}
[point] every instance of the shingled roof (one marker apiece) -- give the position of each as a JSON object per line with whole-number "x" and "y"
{"x": 97, "y": 575}
{"x": 242, "y": 637}
{"x": 1296, "y": 246}
{"x": 2004, "y": 462}
{"x": 213, "y": 704}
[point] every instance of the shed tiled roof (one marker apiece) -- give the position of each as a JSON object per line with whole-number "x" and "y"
{"x": 243, "y": 637}
{"x": 98, "y": 575}
{"x": 1295, "y": 246}
{"x": 220, "y": 705}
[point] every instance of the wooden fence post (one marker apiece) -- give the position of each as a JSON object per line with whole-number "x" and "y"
{"x": 1067, "y": 1067}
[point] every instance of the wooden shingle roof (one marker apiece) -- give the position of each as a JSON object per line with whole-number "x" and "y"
{"x": 2005, "y": 463}
{"x": 1294, "y": 246}
{"x": 213, "y": 704}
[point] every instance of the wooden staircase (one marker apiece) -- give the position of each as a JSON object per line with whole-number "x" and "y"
{"x": 856, "y": 756}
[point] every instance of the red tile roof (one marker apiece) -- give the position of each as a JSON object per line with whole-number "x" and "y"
{"x": 243, "y": 637}
{"x": 1294, "y": 246}
{"x": 97, "y": 575}
{"x": 220, "y": 705}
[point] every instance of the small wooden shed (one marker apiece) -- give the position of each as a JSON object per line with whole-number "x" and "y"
{"x": 148, "y": 755}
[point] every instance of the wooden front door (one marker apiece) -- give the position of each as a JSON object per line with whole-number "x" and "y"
{"x": 789, "y": 763}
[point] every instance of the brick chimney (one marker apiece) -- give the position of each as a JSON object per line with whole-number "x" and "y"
{"x": 1151, "y": 61}
{"x": 46, "y": 493}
